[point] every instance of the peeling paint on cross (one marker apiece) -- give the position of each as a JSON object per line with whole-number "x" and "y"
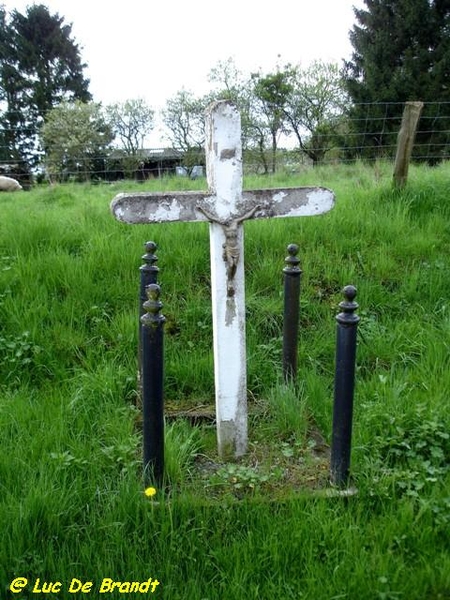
{"x": 226, "y": 206}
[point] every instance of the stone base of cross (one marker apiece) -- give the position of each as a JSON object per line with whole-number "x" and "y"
{"x": 226, "y": 206}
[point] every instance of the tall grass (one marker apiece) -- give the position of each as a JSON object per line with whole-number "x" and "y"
{"x": 72, "y": 502}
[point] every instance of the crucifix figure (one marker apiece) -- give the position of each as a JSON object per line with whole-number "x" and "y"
{"x": 226, "y": 206}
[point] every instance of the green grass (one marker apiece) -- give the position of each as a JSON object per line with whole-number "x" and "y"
{"x": 72, "y": 502}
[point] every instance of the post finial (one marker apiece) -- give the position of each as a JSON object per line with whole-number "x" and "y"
{"x": 150, "y": 257}
{"x": 152, "y": 306}
{"x": 292, "y": 261}
{"x": 348, "y": 306}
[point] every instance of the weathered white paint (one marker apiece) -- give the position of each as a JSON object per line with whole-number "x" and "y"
{"x": 168, "y": 212}
{"x": 148, "y": 207}
{"x": 154, "y": 207}
{"x": 315, "y": 202}
{"x": 318, "y": 202}
{"x": 224, "y": 174}
{"x": 279, "y": 197}
{"x": 225, "y": 206}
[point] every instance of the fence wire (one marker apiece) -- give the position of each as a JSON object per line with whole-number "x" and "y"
{"x": 365, "y": 132}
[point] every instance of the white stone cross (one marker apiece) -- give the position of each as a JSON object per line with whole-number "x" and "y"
{"x": 225, "y": 206}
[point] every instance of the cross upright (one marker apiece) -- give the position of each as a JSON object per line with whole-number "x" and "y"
{"x": 226, "y": 206}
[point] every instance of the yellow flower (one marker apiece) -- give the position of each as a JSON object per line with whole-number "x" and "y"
{"x": 150, "y": 491}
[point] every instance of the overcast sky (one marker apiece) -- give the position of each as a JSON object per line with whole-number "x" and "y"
{"x": 149, "y": 49}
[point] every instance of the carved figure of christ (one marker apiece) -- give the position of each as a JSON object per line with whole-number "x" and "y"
{"x": 226, "y": 206}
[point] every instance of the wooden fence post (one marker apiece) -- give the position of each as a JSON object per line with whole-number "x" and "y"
{"x": 405, "y": 141}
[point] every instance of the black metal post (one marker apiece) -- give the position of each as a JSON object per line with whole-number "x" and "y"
{"x": 344, "y": 384}
{"x": 292, "y": 275}
{"x": 148, "y": 275}
{"x": 152, "y": 385}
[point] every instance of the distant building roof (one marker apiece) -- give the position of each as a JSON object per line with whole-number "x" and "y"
{"x": 156, "y": 154}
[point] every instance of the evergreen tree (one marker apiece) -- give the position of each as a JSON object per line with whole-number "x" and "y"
{"x": 40, "y": 66}
{"x": 401, "y": 52}
{"x": 4, "y": 153}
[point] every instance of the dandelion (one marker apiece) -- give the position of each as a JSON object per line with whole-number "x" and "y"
{"x": 150, "y": 492}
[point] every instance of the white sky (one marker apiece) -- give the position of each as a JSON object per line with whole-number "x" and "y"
{"x": 152, "y": 49}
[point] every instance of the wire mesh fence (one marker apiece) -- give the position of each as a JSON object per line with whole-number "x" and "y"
{"x": 365, "y": 132}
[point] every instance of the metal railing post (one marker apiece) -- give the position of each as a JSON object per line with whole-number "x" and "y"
{"x": 344, "y": 383}
{"x": 148, "y": 274}
{"x": 152, "y": 385}
{"x": 292, "y": 275}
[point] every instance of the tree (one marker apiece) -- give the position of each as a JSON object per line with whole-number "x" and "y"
{"x": 130, "y": 122}
{"x": 231, "y": 84}
{"x": 228, "y": 79}
{"x": 268, "y": 115}
{"x": 4, "y": 149}
{"x": 401, "y": 52}
{"x": 3, "y": 44}
{"x": 75, "y": 136}
{"x": 315, "y": 106}
{"x": 40, "y": 66}
{"x": 184, "y": 117}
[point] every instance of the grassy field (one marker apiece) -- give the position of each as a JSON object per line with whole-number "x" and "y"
{"x": 72, "y": 503}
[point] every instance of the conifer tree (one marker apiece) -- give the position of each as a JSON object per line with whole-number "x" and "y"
{"x": 401, "y": 52}
{"x": 40, "y": 66}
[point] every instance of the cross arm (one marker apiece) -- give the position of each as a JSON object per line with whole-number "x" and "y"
{"x": 147, "y": 207}
{"x": 289, "y": 202}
